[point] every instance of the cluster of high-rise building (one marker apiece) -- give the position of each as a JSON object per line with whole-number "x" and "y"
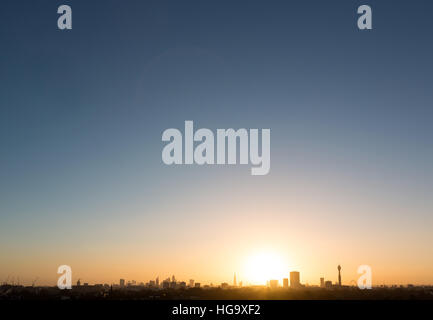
{"x": 168, "y": 283}
{"x": 294, "y": 282}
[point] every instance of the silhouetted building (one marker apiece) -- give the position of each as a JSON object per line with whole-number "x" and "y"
{"x": 295, "y": 279}
{"x": 165, "y": 284}
{"x": 122, "y": 282}
{"x": 339, "y": 275}
{"x": 328, "y": 284}
{"x": 322, "y": 282}
{"x": 234, "y": 280}
{"x": 197, "y": 285}
{"x": 191, "y": 283}
{"x": 285, "y": 283}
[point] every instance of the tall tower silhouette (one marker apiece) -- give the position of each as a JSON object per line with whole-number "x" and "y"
{"x": 339, "y": 275}
{"x": 234, "y": 280}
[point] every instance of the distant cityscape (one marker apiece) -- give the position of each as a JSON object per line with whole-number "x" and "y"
{"x": 171, "y": 288}
{"x": 172, "y": 283}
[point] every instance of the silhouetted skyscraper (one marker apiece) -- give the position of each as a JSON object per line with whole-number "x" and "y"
{"x": 234, "y": 280}
{"x": 339, "y": 275}
{"x": 166, "y": 283}
{"x": 295, "y": 279}
{"x": 322, "y": 282}
{"x": 285, "y": 283}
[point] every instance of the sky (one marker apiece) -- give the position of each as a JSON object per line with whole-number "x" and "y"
{"x": 82, "y": 112}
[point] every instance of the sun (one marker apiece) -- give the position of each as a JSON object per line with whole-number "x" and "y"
{"x": 263, "y": 266}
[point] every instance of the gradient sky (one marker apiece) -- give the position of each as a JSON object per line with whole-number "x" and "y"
{"x": 82, "y": 112}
